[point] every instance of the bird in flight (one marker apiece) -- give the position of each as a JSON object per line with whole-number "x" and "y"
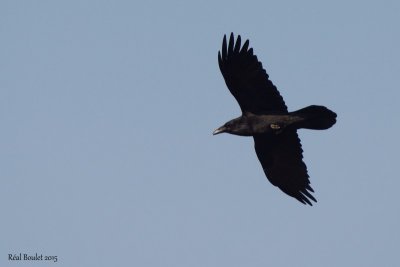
{"x": 266, "y": 118}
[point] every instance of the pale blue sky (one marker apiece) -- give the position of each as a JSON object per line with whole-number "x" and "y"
{"x": 106, "y": 152}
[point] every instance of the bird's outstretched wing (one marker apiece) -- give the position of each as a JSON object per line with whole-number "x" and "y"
{"x": 247, "y": 80}
{"x": 282, "y": 160}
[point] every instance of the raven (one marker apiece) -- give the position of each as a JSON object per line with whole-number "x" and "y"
{"x": 266, "y": 118}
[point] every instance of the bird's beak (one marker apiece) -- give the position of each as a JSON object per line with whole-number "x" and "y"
{"x": 221, "y": 129}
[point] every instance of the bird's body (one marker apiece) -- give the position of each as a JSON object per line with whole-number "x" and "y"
{"x": 252, "y": 124}
{"x": 266, "y": 118}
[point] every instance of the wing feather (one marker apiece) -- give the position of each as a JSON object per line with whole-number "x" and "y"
{"x": 281, "y": 157}
{"x": 247, "y": 80}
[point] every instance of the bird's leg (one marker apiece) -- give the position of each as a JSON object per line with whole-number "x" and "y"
{"x": 274, "y": 126}
{"x": 277, "y": 129}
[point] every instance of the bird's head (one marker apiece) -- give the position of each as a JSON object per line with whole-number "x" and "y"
{"x": 238, "y": 126}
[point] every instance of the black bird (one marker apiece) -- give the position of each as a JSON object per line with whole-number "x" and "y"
{"x": 266, "y": 118}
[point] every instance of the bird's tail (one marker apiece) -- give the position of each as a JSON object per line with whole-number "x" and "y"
{"x": 316, "y": 117}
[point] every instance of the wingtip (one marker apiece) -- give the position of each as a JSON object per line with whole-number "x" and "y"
{"x": 238, "y": 44}
{"x": 231, "y": 43}
{"x": 224, "y": 52}
{"x": 309, "y": 188}
{"x": 250, "y": 51}
{"x": 245, "y": 46}
{"x": 307, "y": 201}
{"x": 220, "y": 63}
{"x": 304, "y": 197}
{"x": 307, "y": 196}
